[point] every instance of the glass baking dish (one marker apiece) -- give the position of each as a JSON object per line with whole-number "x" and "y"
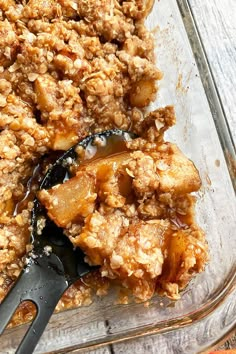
{"x": 206, "y": 311}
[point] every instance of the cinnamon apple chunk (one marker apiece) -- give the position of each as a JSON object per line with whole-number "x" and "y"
{"x": 75, "y": 199}
{"x": 177, "y": 173}
{"x": 71, "y": 200}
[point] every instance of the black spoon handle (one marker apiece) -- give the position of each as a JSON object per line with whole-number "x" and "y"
{"x": 43, "y": 282}
{"x": 36, "y": 329}
{"x": 9, "y": 305}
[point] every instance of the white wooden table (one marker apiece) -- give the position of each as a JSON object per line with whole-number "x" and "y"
{"x": 216, "y": 20}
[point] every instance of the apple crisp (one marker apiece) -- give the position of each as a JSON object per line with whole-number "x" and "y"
{"x": 70, "y": 68}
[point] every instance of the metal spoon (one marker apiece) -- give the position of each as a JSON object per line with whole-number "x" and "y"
{"x": 53, "y": 265}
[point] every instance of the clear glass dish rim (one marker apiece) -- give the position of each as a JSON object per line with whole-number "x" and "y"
{"x": 229, "y": 151}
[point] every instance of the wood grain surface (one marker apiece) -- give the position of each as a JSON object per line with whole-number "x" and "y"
{"x": 216, "y": 20}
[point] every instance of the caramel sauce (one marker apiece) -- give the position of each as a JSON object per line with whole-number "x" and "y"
{"x": 32, "y": 184}
{"x": 102, "y": 148}
{"x": 29, "y": 194}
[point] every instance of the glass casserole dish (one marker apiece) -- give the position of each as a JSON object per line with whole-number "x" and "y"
{"x": 196, "y": 134}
